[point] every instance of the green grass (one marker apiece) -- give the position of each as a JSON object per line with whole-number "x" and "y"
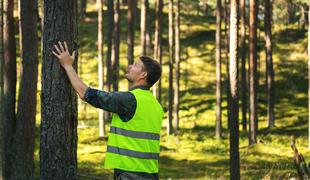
{"x": 194, "y": 153}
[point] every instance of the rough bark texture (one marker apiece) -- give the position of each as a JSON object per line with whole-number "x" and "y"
{"x": 116, "y": 44}
{"x": 23, "y": 143}
{"x": 100, "y": 63}
{"x": 171, "y": 61}
{"x": 243, "y": 65}
{"x": 143, "y": 27}
{"x": 269, "y": 62}
{"x": 9, "y": 80}
{"x": 158, "y": 45}
{"x": 176, "y": 80}
{"x": 132, "y": 5}
{"x": 2, "y": 145}
{"x": 218, "y": 126}
{"x": 253, "y": 71}
{"x": 58, "y": 142}
{"x": 233, "y": 104}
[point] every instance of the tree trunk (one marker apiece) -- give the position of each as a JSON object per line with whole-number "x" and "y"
{"x": 58, "y": 141}
{"x": 270, "y": 77}
{"x": 302, "y": 20}
{"x": 243, "y": 64}
{"x": 116, "y": 44}
{"x": 143, "y": 27}
{"x": 131, "y": 30}
{"x": 253, "y": 71}
{"x": 9, "y": 80}
{"x": 148, "y": 33}
{"x": 100, "y": 63}
{"x": 158, "y": 45}
{"x": 171, "y": 61}
{"x": 309, "y": 77}
{"x": 227, "y": 17}
{"x": 2, "y": 124}
{"x": 177, "y": 66}
{"x": 110, "y": 27}
{"x": 218, "y": 126}
{"x": 233, "y": 93}
{"x": 83, "y": 8}
{"x": 23, "y": 165}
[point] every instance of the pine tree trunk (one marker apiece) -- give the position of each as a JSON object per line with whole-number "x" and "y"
{"x": 148, "y": 37}
{"x": 270, "y": 74}
{"x": 2, "y": 125}
{"x": 171, "y": 61}
{"x": 100, "y": 63}
{"x": 131, "y": 30}
{"x": 157, "y": 45}
{"x": 9, "y": 80}
{"x": 23, "y": 158}
{"x": 243, "y": 65}
{"x": 309, "y": 77}
{"x": 110, "y": 27}
{"x": 253, "y": 71}
{"x": 233, "y": 93}
{"x": 83, "y": 8}
{"x": 218, "y": 126}
{"x": 227, "y": 17}
{"x": 58, "y": 141}
{"x": 143, "y": 27}
{"x": 116, "y": 44}
{"x": 177, "y": 66}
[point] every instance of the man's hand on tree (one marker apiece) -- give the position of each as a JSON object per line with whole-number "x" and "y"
{"x": 63, "y": 55}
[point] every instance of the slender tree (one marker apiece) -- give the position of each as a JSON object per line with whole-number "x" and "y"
{"x": 100, "y": 63}
{"x": 2, "y": 145}
{"x": 158, "y": 44}
{"x": 243, "y": 65}
{"x": 148, "y": 37}
{"x": 143, "y": 17}
{"x": 309, "y": 77}
{"x": 109, "y": 34}
{"x": 218, "y": 127}
{"x": 116, "y": 44}
{"x": 253, "y": 71}
{"x": 233, "y": 93}
{"x": 176, "y": 66}
{"x": 9, "y": 80}
{"x": 171, "y": 61}
{"x": 83, "y": 8}
{"x": 132, "y": 5}
{"x": 58, "y": 141}
{"x": 269, "y": 62}
{"x": 23, "y": 143}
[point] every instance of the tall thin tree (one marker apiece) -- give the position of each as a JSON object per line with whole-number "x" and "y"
{"x": 25, "y": 125}
{"x": 253, "y": 70}
{"x": 233, "y": 93}
{"x": 58, "y": 141}
{"x": 171, "y": 61}
{"x": 100, "y": 63}
{"x": 132, "y": 5}
{"x": 109, "y": 34}
{"x": 9, "y": 80}
{"x": 269, "y": 62}
{"x": 243, "y": 65}
{"x": 218, "y": 126}
{"x": 309, "y": 77}
{"x": 116, "y": 44}
{"x": 143, "y": 17}
{"x": 158, "y": 44}
{"x": 2, "y": 145}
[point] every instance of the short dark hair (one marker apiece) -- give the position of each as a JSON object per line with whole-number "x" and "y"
{"x": 153, "y": 69}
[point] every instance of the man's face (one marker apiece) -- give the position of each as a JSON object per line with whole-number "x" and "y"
{"x": 135, "y": 72}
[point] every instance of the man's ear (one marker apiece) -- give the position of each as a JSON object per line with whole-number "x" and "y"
{"x": 143, "y": 74}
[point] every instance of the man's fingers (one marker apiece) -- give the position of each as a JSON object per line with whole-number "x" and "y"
{"x": 61, "y": 47}
{"x": 57, "y": 49}
{"x": 73, "y": 55}
{"x": 57, "y": 55}
{"x": 66, "y": 46}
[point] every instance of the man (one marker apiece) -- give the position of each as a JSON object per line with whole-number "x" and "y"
{"x": 133, "y": 145}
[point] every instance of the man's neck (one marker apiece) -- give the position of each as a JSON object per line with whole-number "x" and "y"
{"x": 139, "y": 85}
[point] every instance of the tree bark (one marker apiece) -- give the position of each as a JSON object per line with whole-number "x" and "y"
{"x": 218, "y": 126}
{"x": 2, "y": 125}
{"x": 131, "y": 30}
{"x": 171, "y": 62}
{"x": 177, "y": 66}
{"x": 243, "y": 65}
{"x": 100, "y": 63}
{"x": 116, "y": 44}
{"x": 233, "y": 93}
{"x": 158, "y": 45}
{"x": 110, "y": 27}
{"x": 23, "y": 143}
{"x": 9, "y": 80}
{"x": 309, "y": 77}
{"x": 253, "y": 71}
{"x": 143, "y": 27}
{"x": 269, "y": 62}
{"x": 227, "y": 17}
{"x": 58, "y": 142}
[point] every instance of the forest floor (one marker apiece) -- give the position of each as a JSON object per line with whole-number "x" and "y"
{"x": 194, "y": 152}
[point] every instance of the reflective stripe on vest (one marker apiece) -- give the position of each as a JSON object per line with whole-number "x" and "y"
{"x": 134, "y": 134}
{"x": 131, "y": 153}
